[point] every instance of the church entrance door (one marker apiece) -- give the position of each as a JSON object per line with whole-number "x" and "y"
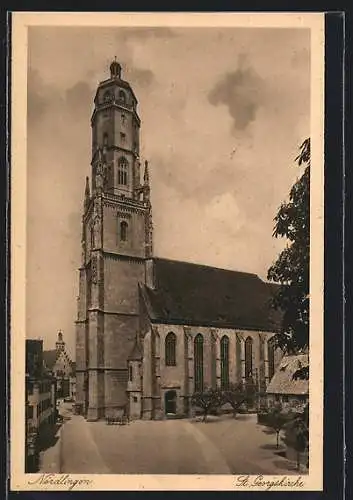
{"x": 170, "y": 402}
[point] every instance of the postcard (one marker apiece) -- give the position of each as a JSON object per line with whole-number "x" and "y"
{"x": 167, "y": 251}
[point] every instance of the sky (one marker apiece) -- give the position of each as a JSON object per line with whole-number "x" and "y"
{"x": 223, "y": 110}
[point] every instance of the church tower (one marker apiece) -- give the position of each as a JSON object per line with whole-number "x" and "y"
{"x": 116, "y": 241}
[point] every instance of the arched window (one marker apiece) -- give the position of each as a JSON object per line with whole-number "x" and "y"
{"x": 224, "y": 362}
{"x": 105, "y": 139}
{"x": 198, "y": 362}
{"x": 122, "y": 97}
{"x": 107, "y": 96}
{"x": 248, "y": 357}
{"x": 123, "y": 167}
{"x": 271, "y": 357}
{"x": 123, "y": 230}
{"x": 170, "y": 349}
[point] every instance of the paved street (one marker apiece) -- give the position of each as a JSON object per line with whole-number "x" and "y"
{"x": 220, "y": 446}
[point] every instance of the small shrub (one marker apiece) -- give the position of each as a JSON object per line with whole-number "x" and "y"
{"x": 276, "y": 419}
{"x": 240, "y": 396}
{"x": 297, "y": 435}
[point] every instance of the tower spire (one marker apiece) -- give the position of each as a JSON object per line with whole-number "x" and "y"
{"x": 146, "y": 184}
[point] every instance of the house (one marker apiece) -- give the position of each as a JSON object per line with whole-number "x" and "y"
{"x": 58, "y": 362}
{"x": 285, "y": 387}
{"x": 40, "y": 401}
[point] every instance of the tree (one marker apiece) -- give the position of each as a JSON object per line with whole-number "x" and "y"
{"x": 291, "y": 270}
{"x": 209, "y": 399}
{"x": 238, "y": 394}
{"x": 276, "y": 420}
{"x": 297, "y": 435}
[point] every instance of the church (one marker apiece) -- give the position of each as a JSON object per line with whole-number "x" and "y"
{"x": 151, "y": 331}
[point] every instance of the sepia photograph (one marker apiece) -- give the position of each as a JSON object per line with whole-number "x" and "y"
{"x": 171, "y": 237}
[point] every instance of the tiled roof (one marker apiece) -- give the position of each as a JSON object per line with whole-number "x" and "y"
{"x": 195, "y": 294}
{"x": 50, "y": 357}
{"x": 283, "y": 383}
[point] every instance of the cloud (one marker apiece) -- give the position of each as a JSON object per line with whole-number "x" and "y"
{"x": 78, "y": 102}
{"x": 224, "y": 211}
{"x": 220, "y": 134}
{"x": 141, "y": 76}
{"x": 37, "y": 96}
{"x": 242, "y": 92}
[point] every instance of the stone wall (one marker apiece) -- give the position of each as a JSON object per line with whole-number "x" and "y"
{"x": 158, "y": 378}
{"x": 121, "y": 277}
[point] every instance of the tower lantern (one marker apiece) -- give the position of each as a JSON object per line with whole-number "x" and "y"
{"x": 115, "y": 69}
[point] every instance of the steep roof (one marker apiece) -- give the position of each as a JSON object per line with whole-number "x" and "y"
{"x": 51, "y": 356}
{"x": 195, "y": 294}
{"x": 283, "y": 382}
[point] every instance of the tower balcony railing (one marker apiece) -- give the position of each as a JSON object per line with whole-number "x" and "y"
{"x": 116, "y": 101}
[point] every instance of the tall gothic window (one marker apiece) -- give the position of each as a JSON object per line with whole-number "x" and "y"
{"x": 198, "y": 362}
{"x": 248, "y": 357}
{"x": 271, "y": 357}
{"x": 123, "y": 230}
{"x": 105, "y": 139}
{"x": 170, "y": 349}
{"x": 224, "y": 362}
{"x": 123, "y": 166}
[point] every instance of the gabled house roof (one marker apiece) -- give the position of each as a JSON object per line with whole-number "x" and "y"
{"x": 284, "y": 382}
{"x": 195, "y": 294}
{"x": 51, "y": 356}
